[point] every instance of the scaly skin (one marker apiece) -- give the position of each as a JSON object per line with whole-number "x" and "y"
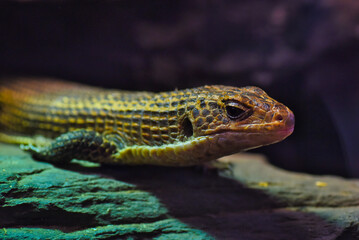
{"x": 178, "y": 128}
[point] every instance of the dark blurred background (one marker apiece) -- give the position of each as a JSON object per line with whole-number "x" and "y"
{"x": 304, "y": 53}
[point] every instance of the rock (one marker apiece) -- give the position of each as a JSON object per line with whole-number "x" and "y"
{"x": 253, "y": 201}
{"x": 293, "y": 189}
{"x": 40, "y": 201}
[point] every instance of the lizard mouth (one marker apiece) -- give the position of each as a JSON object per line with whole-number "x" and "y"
{"x": 281, "y": 124}
{"x": 260, "y": 129}
{"x": 255, "y": 135}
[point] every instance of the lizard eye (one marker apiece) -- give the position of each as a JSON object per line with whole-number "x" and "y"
{"x": 236, "y": 111}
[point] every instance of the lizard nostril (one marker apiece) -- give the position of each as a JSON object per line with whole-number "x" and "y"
{"x": 279, "y": 118}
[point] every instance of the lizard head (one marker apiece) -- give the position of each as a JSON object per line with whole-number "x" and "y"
{"x": 240, "y": 118}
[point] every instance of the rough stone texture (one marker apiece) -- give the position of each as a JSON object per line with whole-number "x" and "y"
{"x": 259, "y": 201}
{"x": 294, "y": 189}
{"x": 39, "y": 201}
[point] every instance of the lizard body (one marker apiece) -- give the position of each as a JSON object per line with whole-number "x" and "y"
{"x": 177, "y": 128}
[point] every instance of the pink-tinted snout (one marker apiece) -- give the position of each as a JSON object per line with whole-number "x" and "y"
{"x": 285, "y": 117}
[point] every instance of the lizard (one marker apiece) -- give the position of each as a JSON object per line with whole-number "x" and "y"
{"x": 57, "y": 121}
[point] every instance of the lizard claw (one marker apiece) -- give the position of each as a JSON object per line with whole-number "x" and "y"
{"x": 29, "y": 148}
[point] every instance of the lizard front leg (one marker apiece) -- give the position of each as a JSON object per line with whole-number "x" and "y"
{"x": 79, "y": 144}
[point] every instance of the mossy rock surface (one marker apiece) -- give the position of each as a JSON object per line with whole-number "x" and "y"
{"x": 40, "y": 201}
{"x": 253, "y": 200}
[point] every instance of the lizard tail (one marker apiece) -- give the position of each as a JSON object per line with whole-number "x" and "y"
{"x": 5, "y": 135}
{"x": 5, "y": 100}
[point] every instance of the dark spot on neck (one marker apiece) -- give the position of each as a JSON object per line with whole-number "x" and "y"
{"x": 203, "y": 104}
{"x": 205, "y": 112}
{"x": 199, "y": 122}
{"x": 186, "y": 127}
{"x": 195, "y": 113}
